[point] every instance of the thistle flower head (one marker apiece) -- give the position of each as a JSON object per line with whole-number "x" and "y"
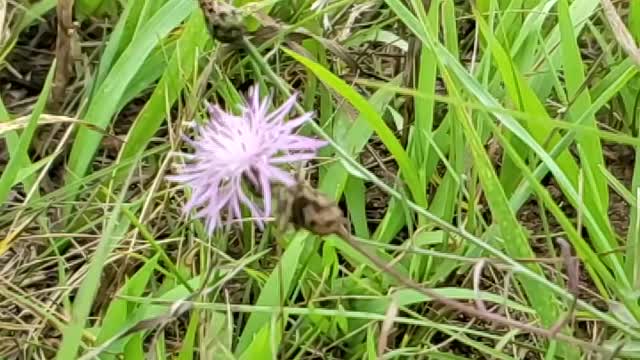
{"x": 235, "y": 152}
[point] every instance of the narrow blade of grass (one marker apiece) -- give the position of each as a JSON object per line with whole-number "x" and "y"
{"x": 107, "y": 96}
{"x": 180, "y": 67}
{"x": 273, "y": 288}
{"x": 407, "y": 167}
{"x": 20, "y": 158}
{"x": 71, "y": 336}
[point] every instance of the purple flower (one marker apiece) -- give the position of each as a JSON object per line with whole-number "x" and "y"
{"x": 232, "y": 151}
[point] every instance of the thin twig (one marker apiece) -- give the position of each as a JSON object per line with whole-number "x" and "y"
{"x": 64, "y": 37}
{"x": 387, "y": 325}
{"x": 572, "y": 267}
{"x": 3, "y": 16}
{"x": 469, "y": 310}
{"x": 477, "y": 274}
{"x": 620, "y": 32}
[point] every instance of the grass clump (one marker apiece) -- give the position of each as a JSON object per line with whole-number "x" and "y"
{"x": 485, "y": 150}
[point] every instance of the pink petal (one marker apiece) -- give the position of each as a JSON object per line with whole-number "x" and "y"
{"x": 279, "y": 114}
{"x": 248, "y": 203}
{"x": 266, "y": 194}
{"x": 294, "y": 123}
{"x": 292, "y": 158}
{"x": 254, "y": 98}
{"x": 280, "y": 175}
{"x": 234, "y": 204}
{"x": 303, "y": 143}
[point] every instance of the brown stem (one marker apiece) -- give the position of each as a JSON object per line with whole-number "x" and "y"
{"x": 64, "y": 12}
{"x": 620, "y": 32}
{"x": 469, "y": 310}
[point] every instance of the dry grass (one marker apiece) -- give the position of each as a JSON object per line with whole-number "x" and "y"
{"x": 161, "y": 287}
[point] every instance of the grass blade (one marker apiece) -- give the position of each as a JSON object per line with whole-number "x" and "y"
{"x": 407, "y": 167}
{"x": 20, "y": 158}
{"x": 107, "y": 96}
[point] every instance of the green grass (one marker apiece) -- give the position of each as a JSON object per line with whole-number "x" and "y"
{"x": 459, "y": 134}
